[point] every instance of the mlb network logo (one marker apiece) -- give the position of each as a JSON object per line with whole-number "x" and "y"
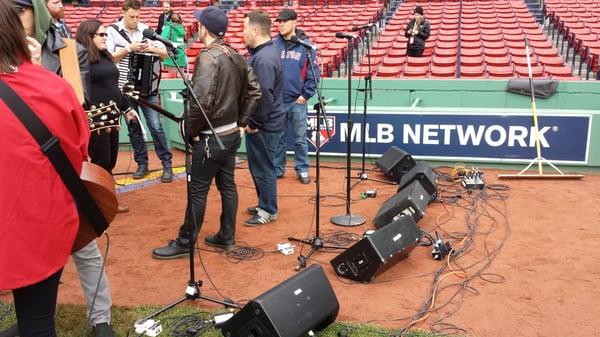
{"x": 320, "y": 133}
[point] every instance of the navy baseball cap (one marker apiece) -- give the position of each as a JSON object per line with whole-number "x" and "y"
{"x": 214, "y": 19}
{"x": 27, "y": 3}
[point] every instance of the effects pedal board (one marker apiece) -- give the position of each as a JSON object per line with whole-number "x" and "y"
{"x": 473, "y": 180}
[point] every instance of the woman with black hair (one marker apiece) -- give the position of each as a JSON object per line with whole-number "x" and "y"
{"x": 104, "y": 140}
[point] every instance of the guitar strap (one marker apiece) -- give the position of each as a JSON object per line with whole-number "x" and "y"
{"x": 50, "y": 146}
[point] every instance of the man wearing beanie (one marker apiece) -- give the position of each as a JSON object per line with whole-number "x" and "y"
{"x": 228, "y": 92}
{"x": 299, "y": 86}
{"x": 417, "y": 31}
{"x": 268, "y": 122}
{"x": 36, "y": 20}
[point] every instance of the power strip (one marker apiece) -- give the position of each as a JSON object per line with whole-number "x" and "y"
{"x": 473, "y": 180}
{"x": 473, "y": 183}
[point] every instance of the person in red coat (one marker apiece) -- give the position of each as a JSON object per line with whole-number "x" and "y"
{"x": 38, "y": 216}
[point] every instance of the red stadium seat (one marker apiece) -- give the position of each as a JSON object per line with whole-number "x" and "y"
{"x": 559, "y": 71}
{"x": 443, "y": 60}
{"x": 443, "y": 72}
{"x": 536, "y": 71}
{"x": 419, "y": 71}
{"x": 498, "y": 61}
{"x": 389, "y": 71}
{"x": 393, "y": 61}
{"x": 418, "y": 61}
{"x": 500, "y": 72}
{"x": 472, "y": 71}
{"x": 471, "y": 60}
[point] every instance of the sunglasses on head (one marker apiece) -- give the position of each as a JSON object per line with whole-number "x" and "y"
{"x": 101, "y": 34}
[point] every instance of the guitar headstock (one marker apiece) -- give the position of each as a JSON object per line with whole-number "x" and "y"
{"x": 104, "y": 117}
{"x": 129, "y": 90}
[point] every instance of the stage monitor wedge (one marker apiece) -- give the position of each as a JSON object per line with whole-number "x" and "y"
{"x": 305, "y": 302}
{"x": 410, "y": 201}
{"x": 423, "y": 173}
{"x": 395, "y": 163}
{"x": 379, "y": 251}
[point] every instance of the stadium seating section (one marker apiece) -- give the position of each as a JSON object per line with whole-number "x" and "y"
{"x": 469, "y": 39}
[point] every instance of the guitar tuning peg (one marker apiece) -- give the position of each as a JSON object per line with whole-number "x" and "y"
{"x": 89, "y": 114}
{"x": 102, "y": 105}
{"x": 93, "y": 107}
{"x": 108, "y": 130}
{"x": 98, "y": 132}
{"x": 101, "y": 123}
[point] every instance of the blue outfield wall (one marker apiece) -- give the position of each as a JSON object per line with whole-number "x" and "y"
{"x": 446, "y": 121}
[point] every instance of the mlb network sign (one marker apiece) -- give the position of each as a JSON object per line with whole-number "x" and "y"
{"x": 455, "y": 136}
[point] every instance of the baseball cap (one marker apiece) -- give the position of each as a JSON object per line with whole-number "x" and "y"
{"x": 214, "y": 19}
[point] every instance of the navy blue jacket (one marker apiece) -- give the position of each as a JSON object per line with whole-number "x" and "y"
{"x": 266, "y": 63}
{"x": 298, "y": 79}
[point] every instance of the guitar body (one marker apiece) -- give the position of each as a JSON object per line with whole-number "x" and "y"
{"x": 101, "y": 186}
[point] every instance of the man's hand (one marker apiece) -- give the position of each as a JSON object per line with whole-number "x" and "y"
{"x": 301, "y": 100}
{"x": 251, "y": 130}
{"x": 138, "y": 46}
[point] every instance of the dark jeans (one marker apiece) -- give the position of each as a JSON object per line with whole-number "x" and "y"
{"x": 156, "y": 130}
{"x": 296, "y": 120}
{"x": 35, "y": 306}
{"x": 261, "y": 149}
{"x": 104, "y": 148}
{"x": 221, "y": 166}
{"x": 414, "y": 52}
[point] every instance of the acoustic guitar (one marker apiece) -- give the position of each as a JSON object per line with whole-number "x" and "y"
{"x": 101, "y": 186}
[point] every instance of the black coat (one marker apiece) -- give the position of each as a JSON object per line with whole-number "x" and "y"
{"x": 422, "y": 35}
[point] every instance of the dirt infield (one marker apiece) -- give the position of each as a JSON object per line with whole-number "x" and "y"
{"x": 543, "y": 282}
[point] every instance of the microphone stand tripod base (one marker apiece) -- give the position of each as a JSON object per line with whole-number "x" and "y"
{"x": 348, "y": 220}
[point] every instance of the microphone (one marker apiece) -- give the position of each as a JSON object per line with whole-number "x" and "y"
{"x": 303, "y": 43}
{"x": 325, "y": 102}
{"x": 368, "y": 25}
{"x": 341, "y": 35}
{"x": 150, "y": 34}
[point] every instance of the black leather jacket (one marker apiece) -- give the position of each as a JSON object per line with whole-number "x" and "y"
{"x": 226, "y": 87}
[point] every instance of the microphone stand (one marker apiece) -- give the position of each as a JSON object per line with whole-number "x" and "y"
{"x": 348, "y": 219}
{"x": 368, "y": 90}
{"x": 192, "y": 291}
{"x": 316, "y": 243}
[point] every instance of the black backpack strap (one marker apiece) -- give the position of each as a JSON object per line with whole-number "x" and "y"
{"x": 50, "y": 146}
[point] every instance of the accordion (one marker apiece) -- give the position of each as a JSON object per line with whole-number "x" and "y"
{"x": 144, "y": 73}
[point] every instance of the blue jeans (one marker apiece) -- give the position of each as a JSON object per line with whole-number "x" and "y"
{"x": 140, "y": 150}
{"x": 296, "y": 117}
{"x": 261, "y": 149}
{"x": 220, "y": 166}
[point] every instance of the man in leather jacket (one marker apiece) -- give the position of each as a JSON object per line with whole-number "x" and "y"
{"x": 228, "y": 92}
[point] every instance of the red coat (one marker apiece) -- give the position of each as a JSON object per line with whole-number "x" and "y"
{"x": 38, "y": 216}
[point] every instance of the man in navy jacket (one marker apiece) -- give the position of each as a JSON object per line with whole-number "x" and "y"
{"x": 266, "y": 125}
{"x": 299, "y": 86}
